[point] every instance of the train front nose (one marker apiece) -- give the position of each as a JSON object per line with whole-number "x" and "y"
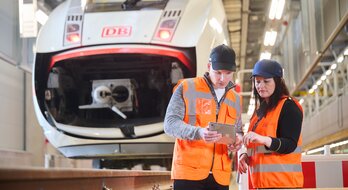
{"x": 106, "y": 90}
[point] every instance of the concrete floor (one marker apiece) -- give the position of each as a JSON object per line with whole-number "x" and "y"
{"x": 233, "y": 184}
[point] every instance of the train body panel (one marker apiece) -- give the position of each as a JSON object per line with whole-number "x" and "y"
{"x": 134, "y": 27}
{"x": 51, "y": 35}
{"x": 103, "y": 78}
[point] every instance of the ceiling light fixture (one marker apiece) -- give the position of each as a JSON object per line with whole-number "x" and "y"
{"x": 265, "y": 55}
{"x": 311, "y": 91}
{"x": 345, "y": 51}
{"x": 270, "y": 38}
{"x": 328, "y": 72}
{"x": 340, "y": 59}
{"x": 315, "y": 150}
{"x": 276, "y": 11}
{"x": 301, "y": 101}
{"x": 333, "y": 66}
{"x": 323, "y": 77}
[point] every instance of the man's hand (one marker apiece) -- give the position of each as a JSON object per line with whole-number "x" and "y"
{"x": 236, "y": 145}
{"x": 209, "y": 136}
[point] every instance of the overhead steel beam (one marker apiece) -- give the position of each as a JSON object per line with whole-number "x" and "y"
{"x": 244, "y": 32}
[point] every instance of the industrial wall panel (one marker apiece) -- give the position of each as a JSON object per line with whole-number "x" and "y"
{"x": 11, "y": 109}
{"x": 9, "y": 38}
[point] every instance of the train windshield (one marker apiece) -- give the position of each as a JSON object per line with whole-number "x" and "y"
{"x": 122, "y": 5}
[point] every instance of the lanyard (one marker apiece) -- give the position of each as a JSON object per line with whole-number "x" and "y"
{"x": 257, "y": 122}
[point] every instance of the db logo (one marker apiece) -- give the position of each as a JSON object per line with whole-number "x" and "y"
{"x": 117, "y": 31}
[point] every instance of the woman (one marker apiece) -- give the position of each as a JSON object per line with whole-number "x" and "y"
{"x": 273, "y": 139}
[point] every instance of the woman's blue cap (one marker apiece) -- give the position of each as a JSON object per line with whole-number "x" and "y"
{"x": 267, "y": 68}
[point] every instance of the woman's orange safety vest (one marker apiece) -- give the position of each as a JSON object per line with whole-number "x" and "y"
{"x": 193, "y": 160}
{"x": 269, "y": 169}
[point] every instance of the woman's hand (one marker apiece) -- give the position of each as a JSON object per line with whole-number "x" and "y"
{"x": 252, "y": 137}
{"x": 243, "y": 163}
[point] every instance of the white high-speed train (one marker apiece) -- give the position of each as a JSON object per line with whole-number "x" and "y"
{"x": 104, "y": 71}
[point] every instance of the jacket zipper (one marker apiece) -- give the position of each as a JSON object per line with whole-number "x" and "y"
{"x": 208, "y": 81}
{"x": 216, "y": 119}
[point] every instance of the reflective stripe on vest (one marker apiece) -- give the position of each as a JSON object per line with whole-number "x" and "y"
{"x": 273, "y": 167}
{"x": 235, "y": 105}
{"x": 192, "y": 95}
{"x": 263, "y": 150}
{"x": 276, "y": 168}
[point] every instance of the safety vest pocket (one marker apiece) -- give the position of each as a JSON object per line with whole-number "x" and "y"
{"x": 231, "y": 116}
{"x": 190, "y": 155}
{"x": 226, "y": 163}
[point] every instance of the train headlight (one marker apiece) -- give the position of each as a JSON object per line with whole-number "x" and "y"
{"x": 73, "y": 30}
{"x": 73, "y": 38}
{"x": 164, "y": 34}
{"x": 165, "y": 30}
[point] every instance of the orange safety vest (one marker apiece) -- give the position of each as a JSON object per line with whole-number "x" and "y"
{"x": 194, "y": 159}
{"x": 269, "y": 169}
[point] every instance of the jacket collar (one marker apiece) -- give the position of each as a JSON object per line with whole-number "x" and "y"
{"x": 229, "y": 86}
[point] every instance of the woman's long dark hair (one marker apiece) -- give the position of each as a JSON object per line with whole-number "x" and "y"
{"x": 279, "y": 91}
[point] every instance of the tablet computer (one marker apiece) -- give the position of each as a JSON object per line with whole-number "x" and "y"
{"x": 228, "y": 132}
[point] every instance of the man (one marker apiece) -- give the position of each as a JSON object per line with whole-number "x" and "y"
{"x": 199, "y": 160}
